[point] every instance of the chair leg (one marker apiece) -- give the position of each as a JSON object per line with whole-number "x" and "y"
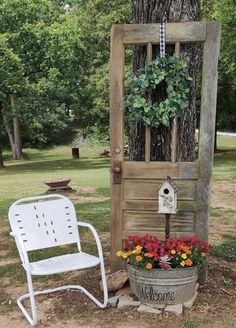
{"x": 104, "y": 284}
{"x": 31, "y": 295}
{"x": 32, "y": 320}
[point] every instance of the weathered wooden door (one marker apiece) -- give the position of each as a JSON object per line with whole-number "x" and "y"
{"x": 134, "y": 185}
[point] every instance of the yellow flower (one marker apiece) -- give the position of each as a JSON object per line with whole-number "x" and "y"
{"x": 125, "y": 255}
{"x": 119, "y": 253}
{"x": 173, "y": 251}
{"x": 182, "y": 263}
{"x": 184, "y": 256}
{"x": 148, "y": 266}
{"x": 138, "y": 258}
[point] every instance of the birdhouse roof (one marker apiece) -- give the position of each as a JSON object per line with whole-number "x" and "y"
{"x": 171, "y": 182}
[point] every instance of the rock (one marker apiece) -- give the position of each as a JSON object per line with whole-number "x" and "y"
{"x": 126, "y": 290}
{"x": 113, "y": 300}
{"x": 176, "y": 308}
{"x": 125, "y": 301}
{"x": 190, "y": 303}
{"x": 148, "y": 309}
{"x": 117, "y": 280}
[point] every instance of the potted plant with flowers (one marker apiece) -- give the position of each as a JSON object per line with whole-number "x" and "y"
{"x": 164, "y": 272}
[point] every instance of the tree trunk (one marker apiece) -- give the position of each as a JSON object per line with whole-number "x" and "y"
{"x": 16, "y": 149}
{"x": 155, "y": 11}
{"x": 1, "y": 160}
{"x": 215, "y": 140}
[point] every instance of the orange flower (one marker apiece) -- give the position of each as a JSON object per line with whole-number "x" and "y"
{"x": 138, "y": 258}
{"x": 148, "y": 266}
{"x": 203, "y": 254}
{"x": 188, "y": 262}
{"x": 148, "y": 255}
{"x": 138, "y": 251}
{"x": 187, "y": 250}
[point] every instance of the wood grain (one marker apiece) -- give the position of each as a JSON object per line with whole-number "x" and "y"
{"x": 207, "y": 132}
{"x": 152, "y": 221}
{"x": 175, "y": 32}
{"x": 116, "y": 137}
{"x": 142, "y": 170}
{"x": 207, "y": 125}
{"x": 136, "y": 189}
{"x": 152, "y": 205}
{"x": 147, "y": 128}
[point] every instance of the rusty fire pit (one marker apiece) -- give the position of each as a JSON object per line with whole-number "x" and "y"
{"x": 58, "y": 185}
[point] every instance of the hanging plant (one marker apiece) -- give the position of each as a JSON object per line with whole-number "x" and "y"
{"x": 169, "y": 70}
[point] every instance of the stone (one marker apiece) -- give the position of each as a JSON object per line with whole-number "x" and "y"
{"x": 117, "y": 280}
{"x": 189, "y": 304}
{"x": 148, "y": 309}
{"x": 176, "y": 309}
{"x": 126, "y": 290}
{"x": 113, "y": 300}
{"x": 126, "y": 300}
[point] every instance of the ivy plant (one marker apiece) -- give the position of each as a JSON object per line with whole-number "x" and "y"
{"x": 169, "y": 70}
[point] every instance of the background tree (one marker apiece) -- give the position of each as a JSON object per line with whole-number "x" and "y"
{"x": 156, "y": 11}
{"x": 97, "y": 17}
{"x": 225, "y": 11}
{"x": 45, "y": 44}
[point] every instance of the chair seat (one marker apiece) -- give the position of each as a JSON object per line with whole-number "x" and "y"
{"x": 63, "y": 263}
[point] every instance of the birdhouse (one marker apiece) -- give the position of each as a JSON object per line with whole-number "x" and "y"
{"x": 167, "y": 196}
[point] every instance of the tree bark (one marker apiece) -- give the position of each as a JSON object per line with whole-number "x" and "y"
{"x": 16, "y": 150}
{"x": 1, "y": 160}
{"x": 155, "y": 11}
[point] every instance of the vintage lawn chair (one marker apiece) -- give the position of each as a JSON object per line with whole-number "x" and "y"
{"x": 48, "y": 221}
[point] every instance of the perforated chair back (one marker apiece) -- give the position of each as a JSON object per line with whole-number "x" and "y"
{"x": 44, "y": 221}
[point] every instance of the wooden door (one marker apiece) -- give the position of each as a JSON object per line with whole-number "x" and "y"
{"x": 134, "y": 185}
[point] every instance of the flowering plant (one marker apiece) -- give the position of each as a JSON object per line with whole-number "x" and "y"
{"x": 148, "y": 252}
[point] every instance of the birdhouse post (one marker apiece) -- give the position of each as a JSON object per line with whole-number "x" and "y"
{"x": 167, "y": 196}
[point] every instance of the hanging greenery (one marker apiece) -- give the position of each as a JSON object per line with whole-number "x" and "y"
{"x": 169, "y": 70}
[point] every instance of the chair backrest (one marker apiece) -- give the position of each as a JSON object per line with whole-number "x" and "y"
{"x": 44, "y": 221}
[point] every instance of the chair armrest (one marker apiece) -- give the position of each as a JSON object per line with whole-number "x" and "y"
{"x": 21, "y": 248}
{"x": 95, "y": 234}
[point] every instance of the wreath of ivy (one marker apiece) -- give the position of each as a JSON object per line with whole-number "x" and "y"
{"x": 169, "y": 70}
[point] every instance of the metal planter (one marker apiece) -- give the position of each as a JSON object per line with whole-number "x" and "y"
{"x": 163, "y": 287}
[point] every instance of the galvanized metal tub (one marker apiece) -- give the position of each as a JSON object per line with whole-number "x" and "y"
{"x": 163, "y": 287}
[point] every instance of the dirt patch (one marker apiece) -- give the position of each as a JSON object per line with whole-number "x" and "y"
{"x": 215, "y": 306}
{"x": 223, "y": 195}
{"x": 82, "y": 199}
{"x": 4, "y": 262}
{"x": 87, "y": 190}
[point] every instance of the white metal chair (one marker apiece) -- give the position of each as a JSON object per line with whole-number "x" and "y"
{"x": 49, "y": 221}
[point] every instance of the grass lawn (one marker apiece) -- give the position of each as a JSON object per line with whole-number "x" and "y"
{"x": 90, "y": 178}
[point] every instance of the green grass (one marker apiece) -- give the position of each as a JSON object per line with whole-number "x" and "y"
{"x": 226, "y": 249}
{"x": 186, "y": 323}
{"x": 226, "y": 142}
{"x": 26, "y": 178}
{"x": 225, "y": 158}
